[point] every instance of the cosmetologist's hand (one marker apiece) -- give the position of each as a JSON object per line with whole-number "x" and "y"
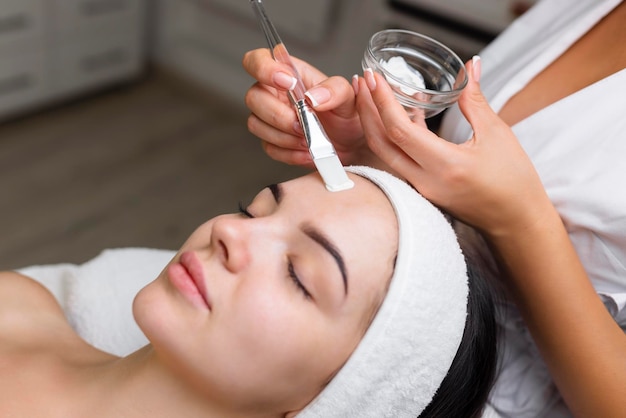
{"x": 488, "y": 182}
{"x": 274, "y": 121}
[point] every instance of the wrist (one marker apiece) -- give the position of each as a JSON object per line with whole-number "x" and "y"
{"x": 539, "y": 240}
{"x": 531, "y": 222}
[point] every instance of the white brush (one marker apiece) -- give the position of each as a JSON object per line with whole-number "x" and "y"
{"x": 324, "y": 156}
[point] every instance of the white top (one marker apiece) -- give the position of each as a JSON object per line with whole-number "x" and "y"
{"x": 578, "y": 146}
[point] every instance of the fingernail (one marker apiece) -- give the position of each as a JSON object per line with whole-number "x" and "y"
{"x": 285, "y": 81}
{"x": 355, "y": 84}
{"x": 369, "y": 79}
{"x": 298, "y": 128}
{"x": 476, "y": 67}
{"x": 318, "y": 95}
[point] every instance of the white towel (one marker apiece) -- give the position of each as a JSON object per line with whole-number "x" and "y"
{"x": 97, "y": 296}
{"x": 407, "y": 351}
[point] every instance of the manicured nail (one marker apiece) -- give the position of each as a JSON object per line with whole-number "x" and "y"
{"x": 476, "y": 67}
{"x": 318, "y": 95}
{"x": 368, "y": 74}
{"x": 298, "y": 128}
{"x": 285, "y": 81}
{"x": 355, "y": 84}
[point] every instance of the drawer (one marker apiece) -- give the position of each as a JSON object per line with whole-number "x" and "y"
{"x": 23, "y": 81}
{"x": 21, "y": 22}
{"x": 78, "y": 15}
{"x": 97, "y": 61}
{"x": 306, "y": 21}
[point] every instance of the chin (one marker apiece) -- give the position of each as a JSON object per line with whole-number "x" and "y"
{"x": 150, "y": 310}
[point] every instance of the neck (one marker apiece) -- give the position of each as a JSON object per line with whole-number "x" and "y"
{"x": 141, "y": 385}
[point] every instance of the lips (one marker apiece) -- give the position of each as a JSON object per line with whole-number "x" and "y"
{"x": 188, "y": 277}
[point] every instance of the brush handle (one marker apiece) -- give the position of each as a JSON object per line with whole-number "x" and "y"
{"x": 278, "y": 49}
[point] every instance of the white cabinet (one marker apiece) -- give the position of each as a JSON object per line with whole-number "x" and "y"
{"x": 305, "y": 21}
{"x": 205, "y": 40}
{"x": 53, "y": 49}
{"x": 23, "y": 81}
{"x": 80, "y": 16}
{"x": 21, "y": 24}
{"x": 23, "y": 75}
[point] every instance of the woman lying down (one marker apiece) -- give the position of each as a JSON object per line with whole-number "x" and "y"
{"x": 306, "y": 303}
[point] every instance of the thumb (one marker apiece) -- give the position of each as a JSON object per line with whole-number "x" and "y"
{"x": 472, "y": 103}
{"x": 334, "y": 93}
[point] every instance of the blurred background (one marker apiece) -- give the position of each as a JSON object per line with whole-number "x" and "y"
{"x": 122, "y": 122}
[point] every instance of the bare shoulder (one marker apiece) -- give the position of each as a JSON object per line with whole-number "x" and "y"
{"x": 22, "y": 292}
{"x": 39, "y": 351}
{"x": 27, "y": 309}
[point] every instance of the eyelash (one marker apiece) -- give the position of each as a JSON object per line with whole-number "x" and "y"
{"x": 244, "y": 211}
{"x": 290, "y": 269}
{"x": 296, "y": 280}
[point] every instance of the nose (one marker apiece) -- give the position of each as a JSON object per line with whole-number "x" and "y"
{"x": 231, "y": 239}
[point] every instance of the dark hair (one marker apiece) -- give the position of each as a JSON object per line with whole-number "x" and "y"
{"x": 465, "y": 389}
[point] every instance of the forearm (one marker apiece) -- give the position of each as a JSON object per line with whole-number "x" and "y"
{"x": 582, "y": 345}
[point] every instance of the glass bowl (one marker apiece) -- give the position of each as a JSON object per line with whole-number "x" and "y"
{"x": 425, "y": 75}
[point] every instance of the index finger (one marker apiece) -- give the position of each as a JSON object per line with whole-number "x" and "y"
{"x": 417, "y": 141}
{"x": 260, "y": 64}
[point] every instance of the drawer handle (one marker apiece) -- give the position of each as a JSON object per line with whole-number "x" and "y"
{"x": 105, "y": 60}
{"x": 16, "y": 83}
{"x": 13, "y": 23}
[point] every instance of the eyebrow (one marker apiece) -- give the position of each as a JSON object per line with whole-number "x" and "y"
{"x": 318, "y": 236}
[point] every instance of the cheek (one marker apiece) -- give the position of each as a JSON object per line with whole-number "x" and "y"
{"x": 268, "y": 340}
{"x": 200, "y": 237}
{"x": 287, "y": 328}
{"x": 267, "y": 315}
{"x": 277, "y": 326}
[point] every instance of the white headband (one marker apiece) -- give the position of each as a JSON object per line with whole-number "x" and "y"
{"x": 407, "y": 351}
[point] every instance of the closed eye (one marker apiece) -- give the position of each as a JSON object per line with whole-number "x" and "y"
{"x": 296, "y": 280}
{"x": 244, "y": 211}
